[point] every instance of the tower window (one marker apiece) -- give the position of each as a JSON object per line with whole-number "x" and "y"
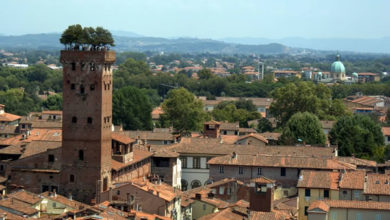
{"x": 74, "y": 119}
{"x": 92, "y": 66}
{"x": 81, "y": 155}
{"x": 89, "y": 120}
{"x": 82, "y": 89}
{"x": 73, "y": 66}
{"x": 92, "y": 87}
{"x": 51, "y": 158}
{"x": 82, "y": 66}
{"x": 72, "y": 86}
{"x": 71, "y": 178}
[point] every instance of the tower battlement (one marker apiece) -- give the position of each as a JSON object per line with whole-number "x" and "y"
{"x": 97, "y": 56}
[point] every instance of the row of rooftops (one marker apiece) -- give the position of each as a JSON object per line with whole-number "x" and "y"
{"x": 369, "y": 183}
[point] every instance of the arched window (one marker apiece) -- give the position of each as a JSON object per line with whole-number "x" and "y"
{"x": 184, "y": 185}
{"x": 71, "y": 178}
{"x": 195, "y": 184}
{"x": 81, "y": 155}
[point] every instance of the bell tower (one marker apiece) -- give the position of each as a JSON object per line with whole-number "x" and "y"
{"x": 86, "y": 123}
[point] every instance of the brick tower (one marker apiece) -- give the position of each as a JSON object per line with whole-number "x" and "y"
{"x": 86, "y": 124}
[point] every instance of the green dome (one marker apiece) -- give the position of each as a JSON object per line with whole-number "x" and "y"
{"x": 355, "y": 75}
{"x": 337, "y": 66}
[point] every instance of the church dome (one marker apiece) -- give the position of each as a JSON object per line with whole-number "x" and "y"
{"x": 355, "y": 75}
{"x": 337, "y": 66}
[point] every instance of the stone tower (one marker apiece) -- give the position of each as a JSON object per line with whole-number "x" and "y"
{"x": 86, "y": 124}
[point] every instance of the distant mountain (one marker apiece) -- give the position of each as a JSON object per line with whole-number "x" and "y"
{"x": 125, "y": 33}
{"x": 125, "y": 43}
{"x": 375, "y": 45}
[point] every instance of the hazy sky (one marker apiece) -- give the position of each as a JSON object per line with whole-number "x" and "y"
{"x": 203, "y": 18}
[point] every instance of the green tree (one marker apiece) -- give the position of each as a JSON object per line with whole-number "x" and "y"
{"x": 205, "y": 74}
{"x": 184, "y": 112}
{"x": 53, "y": 102}
{"x": 304, "y": 97}
{"x": 303, "y": 128}
{"x": 228, "y": 111}
{"x": 358, "y": 135}
{"x": 264, "y": 125}
{"x": 388, "y": 116}
{"x": 132, "y": 109}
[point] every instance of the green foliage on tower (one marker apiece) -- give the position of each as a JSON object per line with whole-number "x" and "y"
{"x": 358, "y": 135}
{"x": 303, "y": 128}
{"x": 88, "y": 38}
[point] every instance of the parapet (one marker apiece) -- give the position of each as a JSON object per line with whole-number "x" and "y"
{"x": 98, "y": 56}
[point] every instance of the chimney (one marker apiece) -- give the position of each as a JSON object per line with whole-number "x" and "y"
{"x": 70, "y": 197}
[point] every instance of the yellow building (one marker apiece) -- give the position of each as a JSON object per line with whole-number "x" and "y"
{"x": 347, "y": 209}
{"x": 316, "y": 185}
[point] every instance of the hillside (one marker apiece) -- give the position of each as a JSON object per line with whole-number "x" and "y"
{"x": 124, "y": 43}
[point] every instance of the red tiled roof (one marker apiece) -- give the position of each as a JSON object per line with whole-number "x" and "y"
{"x": 52, "y": 112}
{"x": 280, "y": 161}
{"x": 318, "y": 179}
{"x": 319, "y": 204}
{"x": 367, "y": 74}
{"x": 121, "y": 138}
{"x": 257, "y": 136}
{"x": 139, "y": 155}
{"x": 9, "y": 117}
{"x": 386, "y": 131}
{"x": 26, "y": 197}
{"x": 354, "y": 204}
{"x": 377, "y": 184}
{"x": 22, "y": 207}
{"x": 65, "y": 201}
{"x": 352, "y": 179}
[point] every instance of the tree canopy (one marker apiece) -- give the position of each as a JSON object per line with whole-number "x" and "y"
{"x": 132, "y": 109}
{"x": 75, "y": 36}
{"x": 305, "y": 97}
{"x": 241, "y": 111}
{"x": 358, "y": 135}
{"x": 183, "y": 111}
{"x": 303, "y": 128}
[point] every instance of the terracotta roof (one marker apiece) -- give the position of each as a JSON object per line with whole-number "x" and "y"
{"x": 358, "y": 161}
{"x": 229, "y": 126}
{"x": 39, "y": 123}
{"x": 271, "y": 135}
{"x": 377, "y": 184}
{"x": 149, "y": 135}
{"x": 365, "y": 100}
{"x": 162, "y": 190}
{"x": 247, "y": 130}
{"x": 262, "y": 160}
{"x": 350, "y": 204}
{"x": 352, "y": 179}
{"x": 257, "y": 136}
{"x": 263, "y": 180}
{"x": 51, "y": 112}
{"x": 165, "y": 153}
{"x": 8, "y": 129}
{"x": 121, "y": 138}
{"x": 17, "y": 205}
{"x": 318, "y": 179}
{"x": 11, "y": 149}
{"x": 26, "y": 197}
{"x": 65, "y": 201}
{"x": 229, "y": 139}
{"x": 8, "y": 117}
{"x": 37, "y": 147}
{"x": 212, "y": 122}
{"x": 386, "y": 131}
{"x": 138, "y": 155}
{"x": 274, "y": 215}
{"x": 319, "y": 204}
{"x": 157, "y": 112}
{"x": 225, "y": 214}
